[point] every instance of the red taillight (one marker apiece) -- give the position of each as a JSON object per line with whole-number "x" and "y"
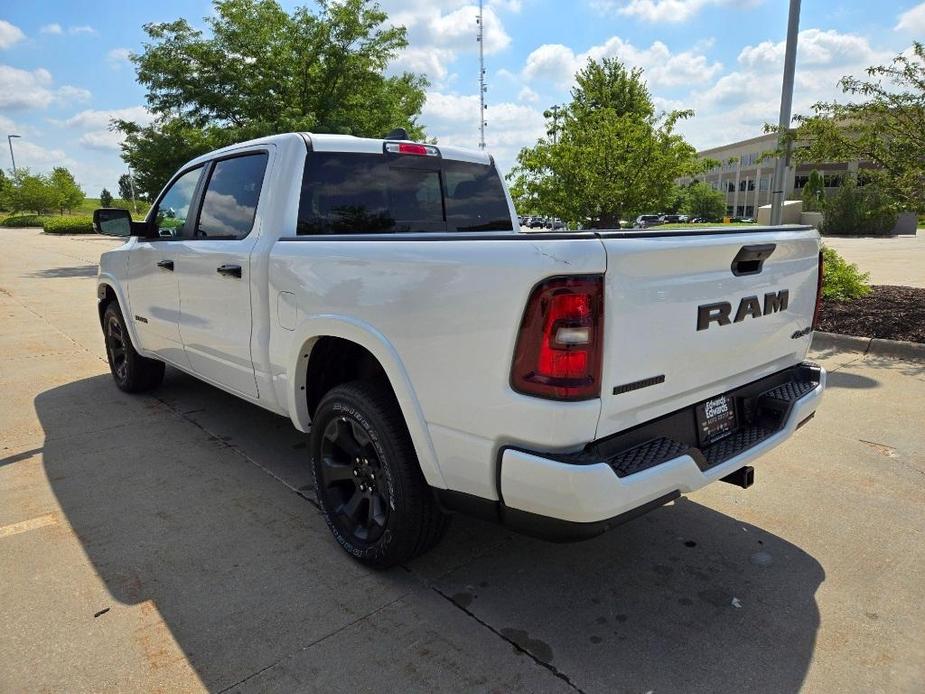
{"x": 818, "y": 293}
{"x": 560, "y": 343}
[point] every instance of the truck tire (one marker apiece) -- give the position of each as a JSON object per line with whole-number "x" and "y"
{"x": 369, "y": 485}
{"x": 132, "y": 372}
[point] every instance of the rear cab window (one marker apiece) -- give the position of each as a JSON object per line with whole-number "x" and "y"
{"x": 364, "y": 193}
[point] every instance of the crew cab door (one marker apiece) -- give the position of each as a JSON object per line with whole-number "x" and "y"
{"x": 153, "y": 286}
{"x": 214, "y": 276}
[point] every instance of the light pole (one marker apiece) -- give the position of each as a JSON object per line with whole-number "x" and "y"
{"x": 786, "y": 103}
{"x": 9, "y": 139}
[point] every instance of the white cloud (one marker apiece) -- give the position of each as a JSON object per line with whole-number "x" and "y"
{"x": 10, "y": 34}
{"x": 24, "y": 89}
{"x": 440, "y": 30}
{"x": 107, "y": 140}
{"x": 553, "y": 62}
{"x": 96, "y": 123}
{"x": 815, "y": 48}
{"x": 528, "y": 95}
{"x": 101, "y": 119}
{"x": 663, "y": 10}
{"x": 37, "y": 158}
{"x": 55, "y": 29}
{"x": 69, "y": 94}
{"x": 912, "y": 20}
{"x": 739, "y": 103}
{"x": 118, "y": 57}
{"x": 662, "y": 68}
{"x": 453, "y": 119}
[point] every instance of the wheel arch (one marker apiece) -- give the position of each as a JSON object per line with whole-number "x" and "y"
{"x": 316, "y": 333}
{"x": 107, "y": 291}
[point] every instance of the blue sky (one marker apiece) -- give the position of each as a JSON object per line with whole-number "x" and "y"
{"x": 64, "y": 71}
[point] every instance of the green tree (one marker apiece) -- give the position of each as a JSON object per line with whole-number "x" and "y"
{"x": 259, "y": 70}
{"x": 884, "y": 123}
{"x": 31, "y": 192}
{"x": 814, "y": 192}
{"x": 68, "y": 194}
{"x": 614, "y": 156}
{"x": 6, "y": 188}
{"x": 125, "y": 187}
{"x": 105, "y": 198}
{"x": 701, "y": 200}
{"x": 858, "y": 211}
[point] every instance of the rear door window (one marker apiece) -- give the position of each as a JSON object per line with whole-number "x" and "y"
{"x": 230, "y": 203}
{"x": 350, "y": 193}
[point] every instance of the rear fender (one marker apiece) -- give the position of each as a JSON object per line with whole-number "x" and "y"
{"x": 303, "y": 341}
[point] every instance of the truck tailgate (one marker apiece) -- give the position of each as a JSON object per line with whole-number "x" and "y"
{"x": 660, "y": 355}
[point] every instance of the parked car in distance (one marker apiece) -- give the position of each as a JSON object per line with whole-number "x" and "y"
{"x": 537, "y": 222}
{"x": 377, "y": 293}
{"x": 644, "y": 221}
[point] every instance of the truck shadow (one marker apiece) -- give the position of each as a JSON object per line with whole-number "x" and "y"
{"x": 170, "y": 498}
{"x": 67, "y": 272}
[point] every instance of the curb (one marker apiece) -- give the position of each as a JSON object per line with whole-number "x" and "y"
{"x": 896, "y": 349}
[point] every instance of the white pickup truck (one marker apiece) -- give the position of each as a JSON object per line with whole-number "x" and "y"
{"x": 381, "y": 295}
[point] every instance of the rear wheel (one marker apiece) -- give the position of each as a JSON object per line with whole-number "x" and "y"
{"x": 132, "y": 372}
{"x": 369, "y": 485}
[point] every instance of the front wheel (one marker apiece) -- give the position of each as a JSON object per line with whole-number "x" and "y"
{"x": 132, "y": 372}
{"x": 367, "y": 479}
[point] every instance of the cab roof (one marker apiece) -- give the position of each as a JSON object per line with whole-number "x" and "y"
{"x": 324, "y": 142}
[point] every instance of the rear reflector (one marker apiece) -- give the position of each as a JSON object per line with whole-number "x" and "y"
{"x": 560, "y": 342}
{"x": 412, "y": 148}
{"x": 818, "y": 292}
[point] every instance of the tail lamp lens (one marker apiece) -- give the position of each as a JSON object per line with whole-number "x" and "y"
{"x": 560, "y": 342}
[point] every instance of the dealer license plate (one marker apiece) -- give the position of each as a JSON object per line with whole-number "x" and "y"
{"x": 716, "y": 418}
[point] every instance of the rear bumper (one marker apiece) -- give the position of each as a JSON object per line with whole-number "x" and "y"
{"x": 580, "y": 495}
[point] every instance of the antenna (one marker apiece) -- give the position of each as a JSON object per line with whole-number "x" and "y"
{"x": 482, "y": 86}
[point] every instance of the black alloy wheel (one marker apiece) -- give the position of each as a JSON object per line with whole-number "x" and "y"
{"x": 353, "y": 481}
{"x": 132, "y": 372}
{"x": 115, "y": 344}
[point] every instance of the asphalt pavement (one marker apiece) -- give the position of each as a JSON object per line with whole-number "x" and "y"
{"x": 170, "y": 542}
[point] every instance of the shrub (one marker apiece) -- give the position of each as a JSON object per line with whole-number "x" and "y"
{"x": 841, "y": 280}
{"x": 22, "y": 220}
{"x": 858, "y": 211}
{"x": 68, "y": 225}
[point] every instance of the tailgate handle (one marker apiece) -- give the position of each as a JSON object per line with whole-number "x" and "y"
{"x": 750, "y": 259}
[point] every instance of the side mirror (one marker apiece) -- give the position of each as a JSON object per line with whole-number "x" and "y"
{"x": 112, "y": 221}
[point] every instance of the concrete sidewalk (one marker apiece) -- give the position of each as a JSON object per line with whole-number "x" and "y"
{"x": 170, "y": 541}
{"x": 898, "y": 260}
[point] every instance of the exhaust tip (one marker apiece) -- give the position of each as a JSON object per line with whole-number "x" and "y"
{"x": 743, "y": 477}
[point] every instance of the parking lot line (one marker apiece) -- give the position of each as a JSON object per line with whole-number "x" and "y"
{"x": 27, "y": 525}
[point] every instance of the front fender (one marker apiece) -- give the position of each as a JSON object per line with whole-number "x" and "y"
{"x": 303, "y": 341}
{"x": 106, "y": 279}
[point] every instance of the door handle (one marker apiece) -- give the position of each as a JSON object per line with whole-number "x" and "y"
{"x": 165, "y": 264}
{"x": 229, "y": 270}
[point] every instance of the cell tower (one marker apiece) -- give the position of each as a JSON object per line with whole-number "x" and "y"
{"x": 482, "y": 86}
